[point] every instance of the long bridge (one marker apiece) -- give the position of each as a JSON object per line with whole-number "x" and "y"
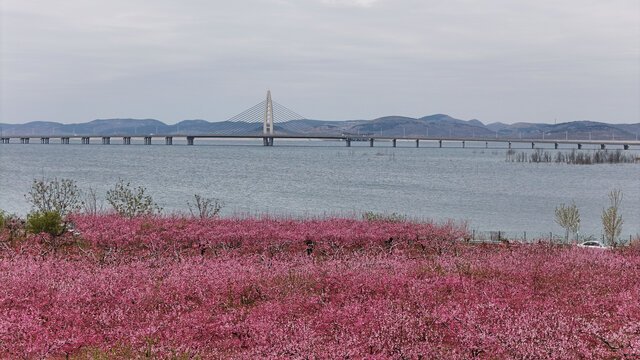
{"x": 268, "y": 140}
{"x": 244, "y": 126}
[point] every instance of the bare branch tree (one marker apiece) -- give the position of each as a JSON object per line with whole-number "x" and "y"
{"x": 204, "y": 207}
{"x": 131, "y": 202}
{"x": 60, "y": 195}
{"x": 92, "y": 205}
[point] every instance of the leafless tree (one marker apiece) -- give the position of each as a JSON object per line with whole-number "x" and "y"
{"x": 204, "y": 207}
{"x": 92, "y": 204}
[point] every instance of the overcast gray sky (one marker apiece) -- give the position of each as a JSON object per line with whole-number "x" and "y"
{"x": 494, "y": 60}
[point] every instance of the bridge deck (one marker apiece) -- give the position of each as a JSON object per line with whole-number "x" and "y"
{"x": 336, "y": 137}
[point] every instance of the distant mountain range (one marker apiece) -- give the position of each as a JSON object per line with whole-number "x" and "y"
{"x": 438, "y": 125}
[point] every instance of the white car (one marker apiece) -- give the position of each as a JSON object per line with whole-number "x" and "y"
{"x": 593, "y": 245}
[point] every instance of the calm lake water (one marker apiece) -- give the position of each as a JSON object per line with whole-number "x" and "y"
{"x": 316, "y": 178}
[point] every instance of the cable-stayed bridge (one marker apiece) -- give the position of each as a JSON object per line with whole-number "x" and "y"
{"x": 269, "y": 120}
{"x": 265, "y": 118}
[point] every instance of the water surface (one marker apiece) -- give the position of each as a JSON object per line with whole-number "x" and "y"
{"x": 317, "y": 178}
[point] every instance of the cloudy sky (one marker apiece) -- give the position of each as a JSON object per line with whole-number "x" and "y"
{"x": 494, "y": 60}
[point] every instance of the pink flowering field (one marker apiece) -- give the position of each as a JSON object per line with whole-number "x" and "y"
{"x": 183, "y": 288}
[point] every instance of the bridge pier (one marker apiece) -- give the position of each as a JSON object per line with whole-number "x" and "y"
{"x": 579, "y": 146}
{"x": 417, "y": 143}
{"x": 64, "y": 140}
{"x": 168, "y": 140}
{"x": 4, "y": 140}
{"x": 190, "y": 140}
{"x": 147, "y": 140}
{"x": 44, "y": 140}
{"x": 85, "y": 140}
{"x": 533, "y": 145}
{"x": 555, "y": 146}
{"x": 267, "y": 141}
{"x": 126, "y": 140}
{"x": 463, "y": 144}
{"x": 393, "y": 142}
{"x": 603, "y": 147}
{"x": 106, "y": 140}
{"x": 626, "y": 146}
{"x": 371, "y": 142}
{"x": 347, "y": 142}
{"x": 439, "y": 143}
{"x": 509, "y": 144}
{"x": 24, "y": 140}
{"x": 486, "y": 144}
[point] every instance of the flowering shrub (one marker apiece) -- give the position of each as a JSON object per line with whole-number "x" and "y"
{"x": 258, "y": 235}
{"x": 335, "y": 288}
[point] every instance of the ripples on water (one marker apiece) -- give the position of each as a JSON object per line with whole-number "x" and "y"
{"x": 314, "y": 178}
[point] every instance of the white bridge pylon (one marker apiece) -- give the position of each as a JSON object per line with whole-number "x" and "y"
{"x": 267, "y": 118}
{"x": 267, "y": 127}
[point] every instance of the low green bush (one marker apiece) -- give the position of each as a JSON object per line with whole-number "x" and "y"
{"x": 49, "y": 222}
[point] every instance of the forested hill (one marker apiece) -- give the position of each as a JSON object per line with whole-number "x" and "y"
{"x": 439, "y": 125}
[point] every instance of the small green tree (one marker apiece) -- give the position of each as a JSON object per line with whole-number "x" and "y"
{"x": 568, "y": 217}
{"x": 49, "y": 222}
{"x": 62, "y": 196}
{"x": 611, "y": 219}
{"x": 131, "y": 202}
